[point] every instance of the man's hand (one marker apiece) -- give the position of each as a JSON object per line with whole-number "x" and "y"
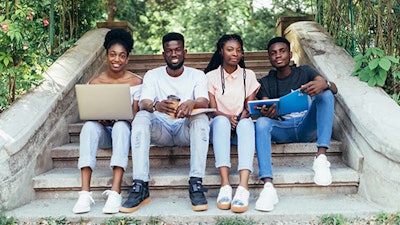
{"x": 318, "y": 85}
{"x": 314, "y": 87}
{"x": 269, "y": 112}
{"x": 185, "y": 109}
{"x": 166, "y": 106}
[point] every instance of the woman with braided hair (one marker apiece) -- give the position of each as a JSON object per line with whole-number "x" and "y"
{"x": 109, "y": 134}
{"x": 230, "y": 86}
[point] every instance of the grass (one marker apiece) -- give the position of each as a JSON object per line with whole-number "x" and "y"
{"x": 331, "y": 219}
{"x": 234, "y": 221}
{"x": 122, "y": 221}
{"x": 5, "y": 220}
{"x": 378, "y": 219}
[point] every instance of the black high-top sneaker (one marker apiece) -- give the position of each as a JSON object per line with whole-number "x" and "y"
{"x": 196, "y": 193}
{"x": 138, "y": 196}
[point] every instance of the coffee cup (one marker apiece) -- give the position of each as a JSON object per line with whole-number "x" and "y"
{"x": 176, "y": 101}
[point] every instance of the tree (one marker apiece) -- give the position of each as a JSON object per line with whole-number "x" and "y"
{"x": 202, "y": 22}
{"x": 293, "y": 7}
{"x": 25, "y": 50}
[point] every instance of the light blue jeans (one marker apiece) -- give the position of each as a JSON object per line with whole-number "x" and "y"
{"x": 244, "y": 139}
{"x": 159, "y": 129}
{"x": 94, "y": 135}
{"x": 315, "y": 124}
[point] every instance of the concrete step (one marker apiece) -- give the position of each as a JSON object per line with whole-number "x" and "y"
{"x": 257, "y": 61}
{"x": 173, "y": 181}
{"x": 195, "y": 57}
{"x": 291, "y": 209}
{"x": 294, "y": 154}
{"x": 260, "y": 68}
{"x": 256, "y": 65}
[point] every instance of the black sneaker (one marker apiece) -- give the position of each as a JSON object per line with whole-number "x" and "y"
{"x": 138, "y": 196}
{"x": 196, "y": 193}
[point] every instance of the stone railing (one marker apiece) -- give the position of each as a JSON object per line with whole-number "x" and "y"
{"x": 367, "y": 120}
{"x": 38, "y": 121}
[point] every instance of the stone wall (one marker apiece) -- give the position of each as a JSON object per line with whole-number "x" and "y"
{"x": 367, "y": 120}
{"x": 38, "y": 122}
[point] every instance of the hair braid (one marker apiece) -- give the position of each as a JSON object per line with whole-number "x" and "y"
{"x": 217, "y": 58}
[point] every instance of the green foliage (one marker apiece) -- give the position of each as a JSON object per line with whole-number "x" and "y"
{"x": 370, "y": 31}
{"x": 202, "y": 23}
{"x": 379, "y": 219}
{"x": 386, "y": 219}
{"x": 122, "y": 221}
{"x": 22, "y": 36}
{"x": 26, "y": 50}
{"x": 396, "y": 98}
{"x": 333, "y": 219}
{"x": 234, "y": 221}
{"x": 155, "y": 221}
{"x": 62, "y": 220}
{"x": 293, "y": 7}
{"x": 5, "y": 220}
{"x": 378, "y": 69}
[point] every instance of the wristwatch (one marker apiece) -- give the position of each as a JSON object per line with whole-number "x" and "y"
{"x": 154, "y": 106}
{"x": 329, "y": 84}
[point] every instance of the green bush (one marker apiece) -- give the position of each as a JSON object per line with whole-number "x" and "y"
{"x": 27, "y": 50}
{"x": 374, "y": 67}
{"x": 23, "y": 36}
{"x": 378, "y": 69}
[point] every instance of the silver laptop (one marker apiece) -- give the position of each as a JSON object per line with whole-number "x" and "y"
{"x": 104, "y": 101}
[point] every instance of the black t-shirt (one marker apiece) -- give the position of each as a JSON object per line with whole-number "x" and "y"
{"x": 273, "y": 87}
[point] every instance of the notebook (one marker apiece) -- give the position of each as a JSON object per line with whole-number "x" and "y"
{"x": 104, "y": 101}
{"x": 296, "y": 101}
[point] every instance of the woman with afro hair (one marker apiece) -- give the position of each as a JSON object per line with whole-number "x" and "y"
{"x": 107, "y": 134}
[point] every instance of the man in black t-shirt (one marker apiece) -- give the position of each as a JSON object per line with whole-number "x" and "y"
{"x": 313, "y": 124}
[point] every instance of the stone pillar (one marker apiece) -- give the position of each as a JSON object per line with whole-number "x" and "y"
{"x": 116, "y": 24}
{"x": 285, "y": 21}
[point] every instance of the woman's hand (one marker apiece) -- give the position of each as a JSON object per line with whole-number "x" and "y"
{"x": 244, "y": 114}
{"x": 234, "y": 121}
{"x": 106, "y": 122}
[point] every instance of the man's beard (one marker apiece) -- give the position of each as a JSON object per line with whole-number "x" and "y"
{"x": 177, "y": 67}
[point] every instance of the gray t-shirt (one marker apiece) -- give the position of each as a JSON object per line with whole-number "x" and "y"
{"x": 273, "y": 87}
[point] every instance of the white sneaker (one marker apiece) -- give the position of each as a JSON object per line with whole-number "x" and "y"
{"x": 268, "y": 198}
{"x": 84, "y": 201}
{"x": 322, "y": 171}
{"x": 224, "y": 197}
{"x": 113, "y": 202}
{"x": 240, "y": 202}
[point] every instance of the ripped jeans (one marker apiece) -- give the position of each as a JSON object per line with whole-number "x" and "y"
{"x": 158, "y": 129}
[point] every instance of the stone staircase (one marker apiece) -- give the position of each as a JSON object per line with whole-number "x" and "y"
{"x": 301, "y": 201}
{"x": 256, "y": 61}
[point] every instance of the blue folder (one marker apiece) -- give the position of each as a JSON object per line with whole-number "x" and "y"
{"x": 296, "y": 101}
